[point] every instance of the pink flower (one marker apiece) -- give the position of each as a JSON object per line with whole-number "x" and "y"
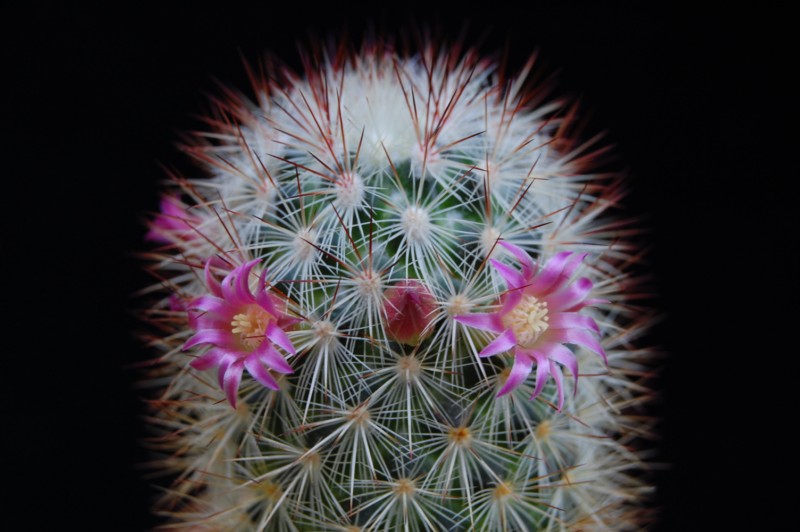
{"x": 243, "y": 328}
{"x": 539, "y": 313}
{"x": 173, "y": 222}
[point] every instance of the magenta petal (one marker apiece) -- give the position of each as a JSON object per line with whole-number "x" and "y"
{"x": 260, "y": 373}
{"x": 574, "y": 260}
{"x": 564, "y": 356}
{"x": 269, "y": 356}
{"x": 231, "y": 380}
{"x": 228, "y": 293}
{"x": 173, "y": 221}
{"x": 502, "y": 343}
{"x": 207, "y": 361}
{"x": 542, "y": 373}
{"x": 555, "y": 371}
{"x": 579, "y": 337}
{"x": 208, "y": 303}
{"x": 484, "y": 322}
{"x": 528, "y": 266}
{"x": 204, "y": 320}
{"x": 550, "y": 274}
{"x": 287, "y": 322}
{"x": 172, "y": 206}
{"x": 231, "y": 286}
{"x": 265, "y": 301}
{"x": 573, "y": 263}
{"x": 570, "y": 297}
{"x": 572, "y": 320}
{"x": 511, "y": 276}
{"x": 523, "y": 364}
{"x": 511, "y": 299}
{"x": 278, "y": 336}
{"x": 224, "y": 363}
{"x": 243, "y": 281}
{"x": 209, "y": 336}
{"x": 156, "y": 234}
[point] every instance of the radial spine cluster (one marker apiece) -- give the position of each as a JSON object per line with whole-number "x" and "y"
{"x": 396, "y": 295}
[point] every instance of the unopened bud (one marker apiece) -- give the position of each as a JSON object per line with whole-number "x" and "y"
{"x": 409, "y": 308}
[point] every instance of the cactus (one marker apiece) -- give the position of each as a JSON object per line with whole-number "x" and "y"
{"x": 398, "y": 296}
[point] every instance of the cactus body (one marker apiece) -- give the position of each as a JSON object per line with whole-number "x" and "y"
{"x": 398, "y": 299}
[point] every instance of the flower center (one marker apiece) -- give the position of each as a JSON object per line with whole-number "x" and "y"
{"x": 528, "y": 320}
{"x": 251, "y": 325}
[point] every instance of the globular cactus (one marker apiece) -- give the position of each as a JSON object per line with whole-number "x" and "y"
{"x": 398, "y": 296}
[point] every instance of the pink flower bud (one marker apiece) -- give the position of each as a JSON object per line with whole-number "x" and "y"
{"x": 173, "y": 223}
{"x": 409, "y": 308}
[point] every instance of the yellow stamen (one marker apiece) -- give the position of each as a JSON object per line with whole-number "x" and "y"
{"x": 251, "y": 325}
{"x": 528, "y": 320}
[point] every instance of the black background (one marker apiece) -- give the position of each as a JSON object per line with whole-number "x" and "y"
{"x": 695, "y": 103}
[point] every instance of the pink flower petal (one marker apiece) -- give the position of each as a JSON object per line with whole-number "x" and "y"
{"x": 564, "y": 356}
{"x": 511, "y": 276}
{"x": 578, "y": 337}
{"x": 573, "y": 263}
{"x": 260, "y": 373}
{"x": 209, "y": 336}
{"x": 173, "y": 222}
{"x": 484, "y": 322}
{"x": 502, "y": 343}
{"x": 208, "y": 303}
{"x": 572, "y": 320}
{"x": 266, "y": 301}
{"x": 570, "y": 297}
{"x": 542, "y": 373}
{"x": 555, "y": 371}
{"x": 519, "y": 372}
{"x": 279, "y": 337}
{"x": 525, "y": 261}
{"x": 269, "y": 356}
{"x": 207, "y": 361}
{"x": 511, "y": 299}
{"x": 287, "y": 322}
{"x": 224, "y": 363}
{"x": 229, "y": 292}
{"x": 243, "y": 282}
{"x": 231, "y": 380}
{"x": 172, "y": 206}
{"x": 549, "y": 276}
